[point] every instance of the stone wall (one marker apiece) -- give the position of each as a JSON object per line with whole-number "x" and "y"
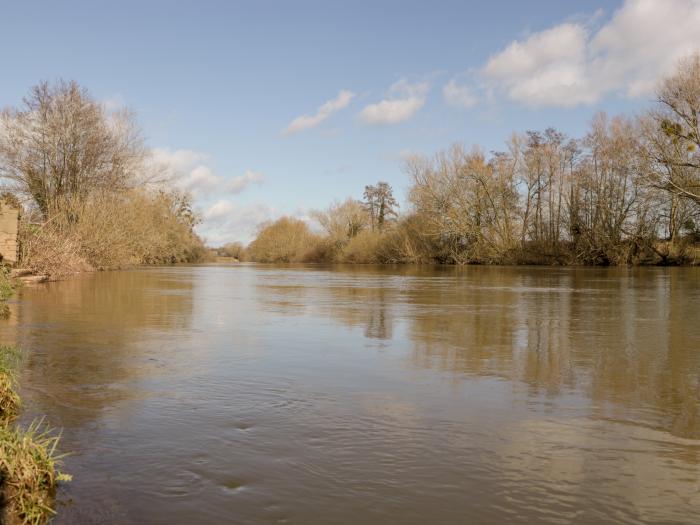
{"x": 9, "y": 228}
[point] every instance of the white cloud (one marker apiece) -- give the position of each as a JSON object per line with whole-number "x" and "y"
{"x": 391, "y": 111}
{"x": 241, "y": 182}
{"x": 458, "y": 95}
{"x": 405, "y": 99}
{"x": 200, "y": 179}
{"x": 643, "y": 41}
{"x": 569, "y": 64}
{"x": 548, "y": 68}
{"x": 226, "y": 221}
{"x": 219, "y": 210}
{"x": 324, "y": 111}
{"x": 188, "y": 171}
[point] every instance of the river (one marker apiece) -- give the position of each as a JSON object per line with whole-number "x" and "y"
{"x": 367, "y": 395}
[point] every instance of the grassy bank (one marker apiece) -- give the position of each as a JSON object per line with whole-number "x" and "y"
{"x": 28, "y": 459}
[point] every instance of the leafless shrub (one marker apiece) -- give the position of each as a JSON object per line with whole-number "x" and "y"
{"x": 112, "y": 230}
{"x": 285, "y": 240}
{"x": 47, "y": 251}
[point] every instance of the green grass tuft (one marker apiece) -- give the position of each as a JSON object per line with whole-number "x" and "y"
{"x": 28, "y": 458}
{"x": 28, "y": 463}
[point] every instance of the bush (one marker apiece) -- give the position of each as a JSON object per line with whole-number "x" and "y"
{"x": 46, "y": 251}
{"x": 285, "y": 240}
{"x": 363, "y": 248}
{"x": 235, "y": 250}
{"x": 112, "y": 230}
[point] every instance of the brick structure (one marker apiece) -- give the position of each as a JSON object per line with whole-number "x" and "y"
{"x": 9, "y": 229}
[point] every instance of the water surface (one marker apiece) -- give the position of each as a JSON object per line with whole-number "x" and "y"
{"x": 341, "y": 395}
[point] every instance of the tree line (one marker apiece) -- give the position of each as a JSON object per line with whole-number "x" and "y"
{"x": 628, "y": 192}
{"x": 91, "y": 196}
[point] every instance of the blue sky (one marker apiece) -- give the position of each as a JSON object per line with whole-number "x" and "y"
{"x": 215, "y": 84}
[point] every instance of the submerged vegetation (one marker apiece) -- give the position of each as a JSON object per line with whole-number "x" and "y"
{"x": 628, "y": 192}
{"x": 28, "y": 459}
{"x": 92, "y": 195}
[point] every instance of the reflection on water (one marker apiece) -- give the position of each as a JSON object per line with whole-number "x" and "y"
{"x": 301, "y": 394}
{"x": 85, "y": 335}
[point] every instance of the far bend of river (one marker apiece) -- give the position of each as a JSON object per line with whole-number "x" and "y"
{"x": 252, "y": 394}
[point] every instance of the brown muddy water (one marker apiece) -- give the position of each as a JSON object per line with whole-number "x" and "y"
{"x": 342, "y": 395}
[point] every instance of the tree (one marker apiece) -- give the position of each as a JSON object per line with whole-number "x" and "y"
{"x": 466, "y": 204}
{"x": 673, "y": 133}
{"x": 611, "y": 210}
{"x": 380, "y": 203}
{"x": 343, "y": 221}
{"x": 63, "y": 145}
{"x": 236, "y": 250}
{"x": 543, "y": 159}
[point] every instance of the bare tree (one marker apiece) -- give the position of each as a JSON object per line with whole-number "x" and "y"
{"x": 542, "y": 170}
{"x": 343, "y": 221}
{"x": 672, "y": 133}
{"x": 62, "y": 145}
{"x": 468, "y": 205}
{"x": 611, "y": 209}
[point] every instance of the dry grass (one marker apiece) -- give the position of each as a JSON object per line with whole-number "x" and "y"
{"x": 112, "y": 230}
{"x": 48, "y": 251}
{"x": 6, "y": 291}
{"x": 9, "y": 400}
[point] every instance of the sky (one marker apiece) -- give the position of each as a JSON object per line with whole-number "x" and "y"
{"x": 264, "y": 108}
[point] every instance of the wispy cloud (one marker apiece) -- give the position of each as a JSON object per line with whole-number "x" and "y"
{"x": 403, "y": 101}
{"x": 571, "y": 63}
{"x": 324, "y": 111}
{"x": 188, "y": 170}
{"x": 458, "y": 95}
{"x": 241, "y": 182}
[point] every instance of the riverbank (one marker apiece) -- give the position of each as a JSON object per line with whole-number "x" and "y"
{"x": 28, "y": 457}
{"x": 406, "y": 242}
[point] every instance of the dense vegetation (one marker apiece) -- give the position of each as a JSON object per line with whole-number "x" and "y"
{"x": 91, "y": 196}
{"x": 626, "y": 193}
